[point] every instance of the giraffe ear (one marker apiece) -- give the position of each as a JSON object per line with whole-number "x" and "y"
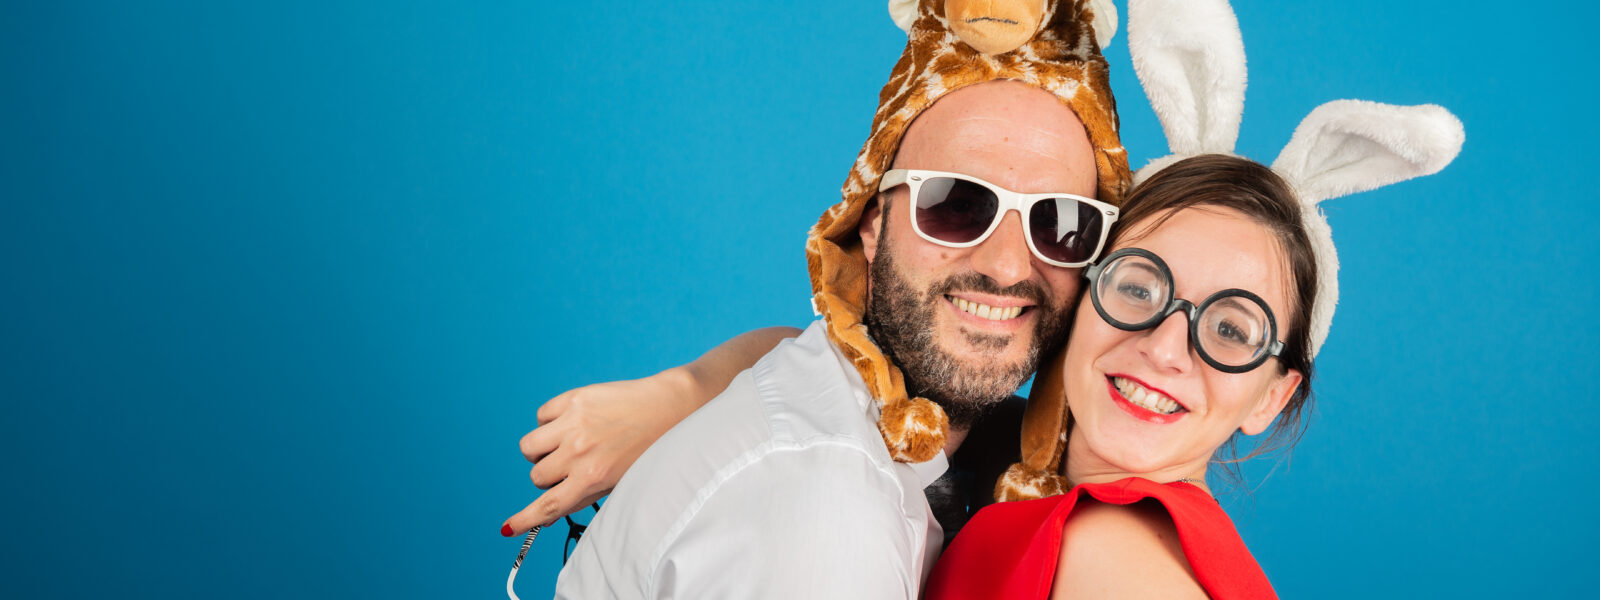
{"x": 904, "y": 13}
{"x": 1105, "y": 21}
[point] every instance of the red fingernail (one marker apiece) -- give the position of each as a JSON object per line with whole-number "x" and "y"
{"x": 505, "y": 530}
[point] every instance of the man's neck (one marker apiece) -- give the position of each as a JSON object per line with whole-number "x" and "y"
{"x": 953, "y": 439}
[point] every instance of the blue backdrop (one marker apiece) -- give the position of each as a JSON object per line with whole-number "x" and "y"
{"x": 282, "y": 284}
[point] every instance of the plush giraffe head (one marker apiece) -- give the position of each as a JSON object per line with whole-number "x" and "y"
{"x": 1060, "y": 54}
{"x": 994, "y": 26}
{"x": 1189, "y": 56}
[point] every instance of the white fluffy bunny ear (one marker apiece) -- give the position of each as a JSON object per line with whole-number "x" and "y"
{"x": 904, "y": 13}
{"x": 1349, "y": 146}
{"x": 1105, "y": 21}
{"x": 1189, "y": 56}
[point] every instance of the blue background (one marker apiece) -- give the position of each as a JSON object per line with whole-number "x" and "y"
{"x": 282, "y": 284}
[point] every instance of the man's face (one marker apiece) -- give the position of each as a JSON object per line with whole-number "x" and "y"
{"x": 932, "y": 308}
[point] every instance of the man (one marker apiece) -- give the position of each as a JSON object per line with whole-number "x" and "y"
{"x": 805, "y": 477}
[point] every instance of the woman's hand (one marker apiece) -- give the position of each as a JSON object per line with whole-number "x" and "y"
{"x": 588, "y": 437}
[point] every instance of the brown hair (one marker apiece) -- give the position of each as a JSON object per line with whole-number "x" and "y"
{"x": 1256, "y": 191}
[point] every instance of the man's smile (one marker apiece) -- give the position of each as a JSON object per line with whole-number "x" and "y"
{"x": 988, "y": 313}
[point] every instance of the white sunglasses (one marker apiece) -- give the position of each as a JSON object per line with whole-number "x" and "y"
{"x": 961, "y": 211}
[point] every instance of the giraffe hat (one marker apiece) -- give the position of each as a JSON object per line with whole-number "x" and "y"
{"x": 1189, "y": 56}
{"x": 1053, "y": 45}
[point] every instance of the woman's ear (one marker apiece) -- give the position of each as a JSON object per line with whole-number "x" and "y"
{"x": 868, "y": 228}
{"x": 1271, "y": 403}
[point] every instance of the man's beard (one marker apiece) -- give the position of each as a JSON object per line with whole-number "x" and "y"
{"x": 901, "y": 321}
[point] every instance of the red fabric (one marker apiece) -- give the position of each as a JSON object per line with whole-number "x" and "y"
{"x": 1009, "y": 550}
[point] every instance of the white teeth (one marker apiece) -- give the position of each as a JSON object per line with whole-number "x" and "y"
{"x": 984, "y": 311}
{"x": 1144, "y": 397}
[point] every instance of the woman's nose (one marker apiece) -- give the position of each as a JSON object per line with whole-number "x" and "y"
{"x": 1166, "y": 345}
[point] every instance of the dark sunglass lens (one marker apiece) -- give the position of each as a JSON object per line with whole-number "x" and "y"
{"x": 954, "y": 210}
{"x": 1066, "y": 230}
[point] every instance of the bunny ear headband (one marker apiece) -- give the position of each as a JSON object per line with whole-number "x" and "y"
{"x": 1190, "y": 59}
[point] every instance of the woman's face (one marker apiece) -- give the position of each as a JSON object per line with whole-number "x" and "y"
{"x": 1208, "y": 249}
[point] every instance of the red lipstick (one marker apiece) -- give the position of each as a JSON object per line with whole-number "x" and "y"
{"x": 1139, "y": 412}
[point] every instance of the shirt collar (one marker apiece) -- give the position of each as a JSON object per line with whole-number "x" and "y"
{"x": 927, "y": 471}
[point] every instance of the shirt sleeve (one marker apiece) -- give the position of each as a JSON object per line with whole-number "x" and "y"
{"x": 819, "y": 521}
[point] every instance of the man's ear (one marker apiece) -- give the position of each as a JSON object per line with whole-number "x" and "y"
{"x": 1272, "y": 403}
{"x": 868, "y": 228}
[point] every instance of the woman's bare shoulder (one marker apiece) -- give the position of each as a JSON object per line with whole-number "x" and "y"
{"x": 1122, "y": 551}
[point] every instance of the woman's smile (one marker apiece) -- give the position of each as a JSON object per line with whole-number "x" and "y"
{"x": 1144, "y": 402}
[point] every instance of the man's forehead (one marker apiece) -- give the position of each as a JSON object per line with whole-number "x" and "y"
{"x": 965, "y": 124}
{"x": 995, "y": 98}
{"x": 1015, "y": 135}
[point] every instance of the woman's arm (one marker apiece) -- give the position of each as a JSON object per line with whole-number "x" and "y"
{"x": 588, "y": 437}
{"x": 1132, "y": 551}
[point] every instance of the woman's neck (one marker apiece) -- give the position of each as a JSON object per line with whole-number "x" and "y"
{"x": 1083, "y": 466}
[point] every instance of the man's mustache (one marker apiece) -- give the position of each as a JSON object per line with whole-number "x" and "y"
{"x": 978, "y": 282}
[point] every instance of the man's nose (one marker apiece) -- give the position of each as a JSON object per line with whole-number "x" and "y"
{"x": 1166, "y": 345}
{"x": 1004, "y": 256}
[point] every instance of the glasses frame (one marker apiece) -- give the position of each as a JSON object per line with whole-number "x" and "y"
{"x": 1008, "y": 201}
{"x": 1189, "y": 309}
{"x": 574, "y": 533}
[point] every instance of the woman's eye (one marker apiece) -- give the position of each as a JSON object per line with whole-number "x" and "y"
{"x": 1133, "y": 291}
{"x": 1227, "y": 331}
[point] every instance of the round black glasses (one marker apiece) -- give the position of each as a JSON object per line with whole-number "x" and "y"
{"x": 1232, "y": 330}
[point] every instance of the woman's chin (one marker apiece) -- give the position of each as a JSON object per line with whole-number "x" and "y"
{"x": 1124, "y": 457}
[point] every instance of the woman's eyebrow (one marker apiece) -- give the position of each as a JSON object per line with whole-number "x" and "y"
{"x": 1146, "y": 267}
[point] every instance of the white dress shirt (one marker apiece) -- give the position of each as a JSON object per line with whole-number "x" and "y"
{"x": 779, "y": 488}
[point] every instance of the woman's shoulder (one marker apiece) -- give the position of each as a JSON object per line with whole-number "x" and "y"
{"x": 1125, "y": 551}
{"x": 1156, "y": 516}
